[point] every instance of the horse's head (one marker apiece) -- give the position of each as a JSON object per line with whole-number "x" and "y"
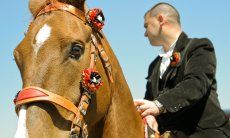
{"x": 51, "y": 58}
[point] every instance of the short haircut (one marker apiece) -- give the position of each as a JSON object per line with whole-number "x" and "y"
{"x": 168, "y": 10}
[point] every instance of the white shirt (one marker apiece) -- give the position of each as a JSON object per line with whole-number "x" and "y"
{"x": 166, "y": 58}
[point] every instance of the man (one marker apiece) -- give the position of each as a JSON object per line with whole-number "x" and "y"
{"x": 181, "y": 88}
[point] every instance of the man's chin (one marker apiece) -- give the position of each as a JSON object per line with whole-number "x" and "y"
{"x": 151, "y": 43}
{"x": 154, "y": 44}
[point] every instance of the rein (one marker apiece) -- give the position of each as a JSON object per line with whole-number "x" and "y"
{"x": 91, "y": 80}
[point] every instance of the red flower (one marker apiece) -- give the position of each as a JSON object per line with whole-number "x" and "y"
{"x": 91, "y": 80}
{"x": 175, "y": 59}
{"x": 95, "y": 18}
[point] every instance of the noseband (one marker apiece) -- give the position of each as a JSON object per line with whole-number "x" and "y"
{"x": 91, "y": 80}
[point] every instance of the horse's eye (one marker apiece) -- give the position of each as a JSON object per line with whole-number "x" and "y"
{"x": 76, "y": 51}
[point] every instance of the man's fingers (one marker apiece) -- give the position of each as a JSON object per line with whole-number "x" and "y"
{"x": 144, "y": 107}
{"x": 138, "y": 102}
{"x": 152, "y": 123}
{"x": 145, "y": 113}
{"x": 155, "y": 126}
{"x": 138, "y": 109}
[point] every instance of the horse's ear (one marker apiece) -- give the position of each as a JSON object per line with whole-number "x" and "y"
{"x": 80, "y": 3}
{"x": 36, "y": 5}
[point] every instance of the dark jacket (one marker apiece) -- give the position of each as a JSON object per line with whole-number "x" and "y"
{"x": 188, "y": 92}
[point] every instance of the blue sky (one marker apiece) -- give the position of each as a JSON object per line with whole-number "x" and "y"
{"x": 125, "y": 32}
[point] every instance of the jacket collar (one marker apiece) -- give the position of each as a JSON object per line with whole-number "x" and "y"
{"x": 180, "y": 46}
{"x": 181, "y": 42}
{"x": 167, "y": 54}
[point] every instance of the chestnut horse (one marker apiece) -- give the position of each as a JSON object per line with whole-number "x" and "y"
{"x": 51, "y": 57}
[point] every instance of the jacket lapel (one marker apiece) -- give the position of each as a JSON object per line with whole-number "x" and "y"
{"x": 155, "y": 78}
{"x": 180, "y": 45}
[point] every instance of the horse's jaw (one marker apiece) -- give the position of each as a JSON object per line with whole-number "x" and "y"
{"x": 21, "y": 131}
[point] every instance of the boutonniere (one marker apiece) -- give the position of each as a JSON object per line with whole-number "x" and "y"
{"x": 175, "y": 59}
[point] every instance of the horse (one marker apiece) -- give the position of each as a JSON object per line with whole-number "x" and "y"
{"x": 60, "y": 47}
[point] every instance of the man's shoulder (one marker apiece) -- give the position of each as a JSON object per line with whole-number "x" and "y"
{"x": 201, "y": 43}
{"x": 196, "y": 42}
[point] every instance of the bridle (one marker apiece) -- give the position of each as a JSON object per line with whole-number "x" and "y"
{"x": 91, "y": 80}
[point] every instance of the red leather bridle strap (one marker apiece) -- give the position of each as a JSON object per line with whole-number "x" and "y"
{"x": 35, "y": 94}
{"x": 105, "y": 58}
{"x": 63, "y": 7}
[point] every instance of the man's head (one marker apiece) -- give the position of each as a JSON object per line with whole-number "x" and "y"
{"x": 161, "y": 21}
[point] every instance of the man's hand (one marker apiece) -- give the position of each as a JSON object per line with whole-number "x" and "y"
{"x": 145, "y": 107}
{"x": 151, "y": 120}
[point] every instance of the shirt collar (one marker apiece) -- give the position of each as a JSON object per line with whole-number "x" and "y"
{"x": 168, "y": 54}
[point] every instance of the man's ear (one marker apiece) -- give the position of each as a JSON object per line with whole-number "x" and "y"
{"x": 161, "y": 18}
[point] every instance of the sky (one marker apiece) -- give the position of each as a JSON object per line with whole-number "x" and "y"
{"x": 125, "y": 32}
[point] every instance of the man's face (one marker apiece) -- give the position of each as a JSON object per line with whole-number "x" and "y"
{"x": 152, "y": 31}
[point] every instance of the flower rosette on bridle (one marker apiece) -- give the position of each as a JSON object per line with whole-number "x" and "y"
{"x": 175, "y": 59}
{"x": 95, "y": 18}
{"x": 91, "y": 80}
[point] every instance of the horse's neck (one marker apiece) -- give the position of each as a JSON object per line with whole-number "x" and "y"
{"x": 122, "y": 119}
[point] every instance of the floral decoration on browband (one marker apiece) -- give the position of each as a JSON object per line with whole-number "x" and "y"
{"x": 91, "y": 80}
{"x": 95, "y": 18}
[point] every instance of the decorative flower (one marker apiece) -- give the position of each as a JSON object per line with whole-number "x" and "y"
{"x": 95, "y": 18}
{"x": 91, "y": 80}
{"x": 175, "y": 59}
